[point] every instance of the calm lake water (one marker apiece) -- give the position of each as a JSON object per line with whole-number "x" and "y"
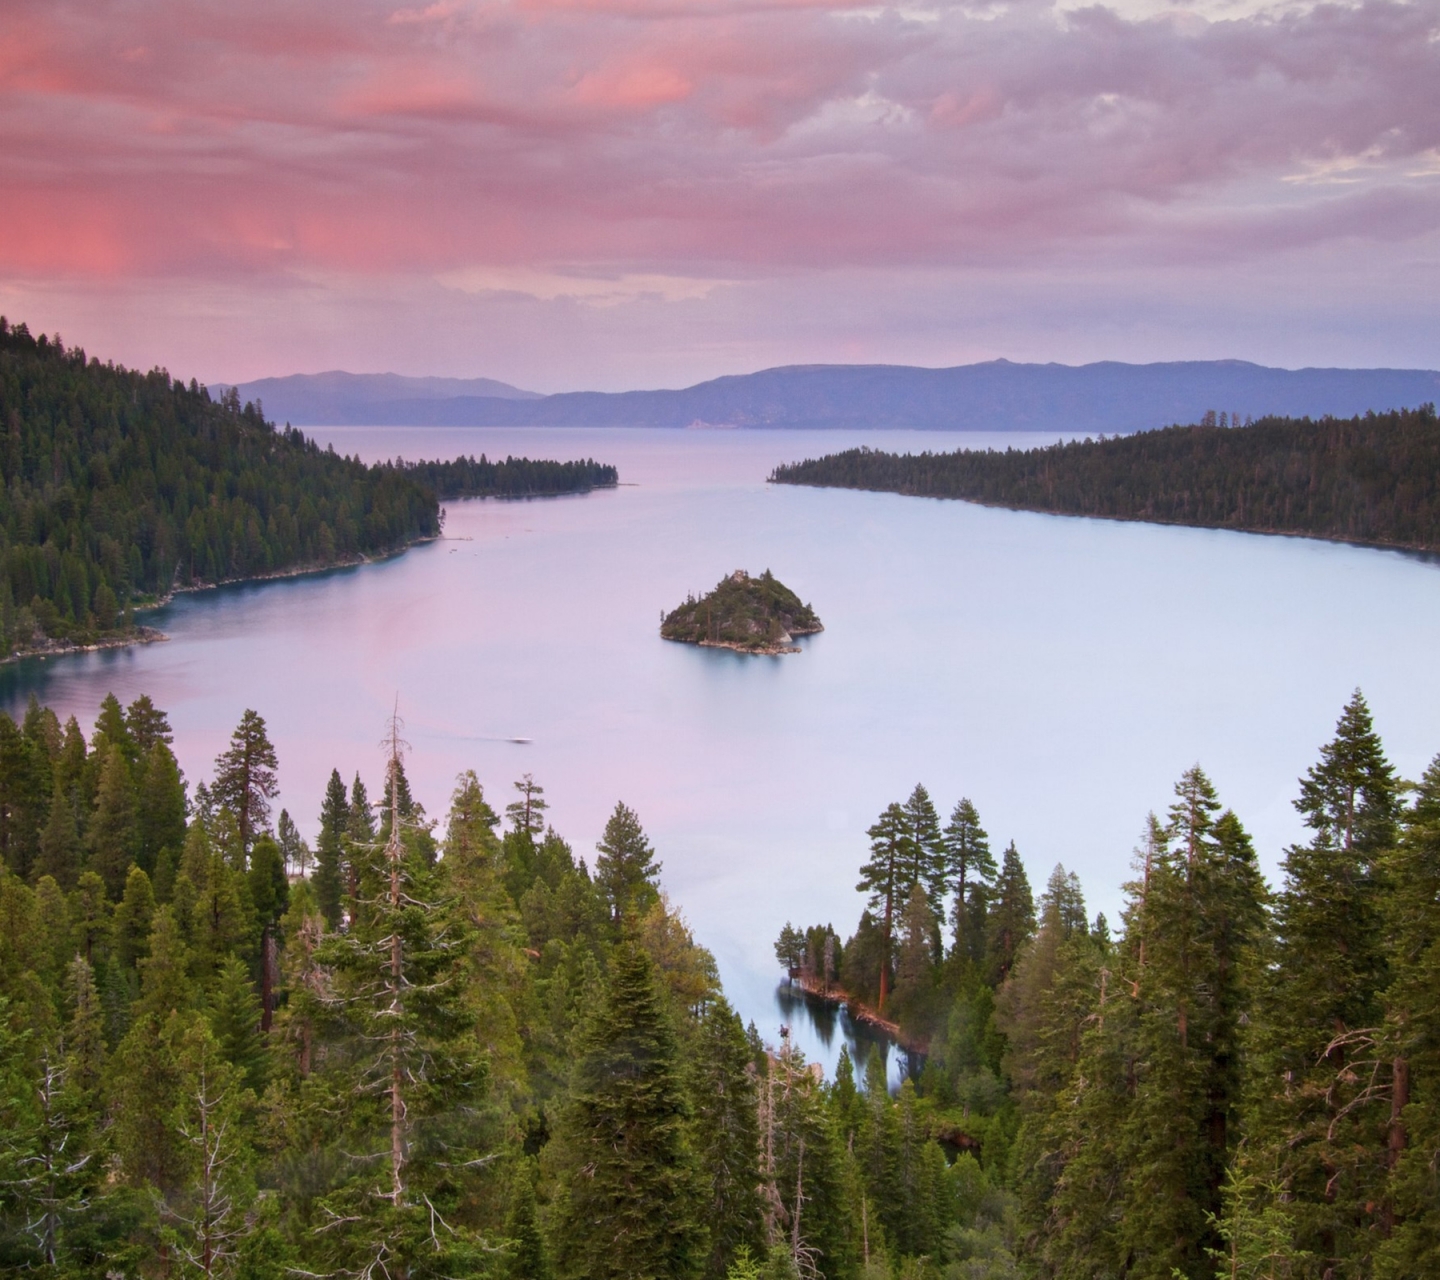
{"x": 1060, "y": 672}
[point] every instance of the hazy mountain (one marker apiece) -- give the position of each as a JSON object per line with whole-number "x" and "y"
{"x": 338, "y": 397}
{"x": 995, "y": 396}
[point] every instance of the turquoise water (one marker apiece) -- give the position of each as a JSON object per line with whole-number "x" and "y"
{"x": 1060, "y": 672}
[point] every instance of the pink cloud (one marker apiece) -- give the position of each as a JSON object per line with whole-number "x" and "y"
{"x": 715, "y": 138}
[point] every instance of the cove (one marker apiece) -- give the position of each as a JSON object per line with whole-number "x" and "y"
{"x": 1060, "y": 672}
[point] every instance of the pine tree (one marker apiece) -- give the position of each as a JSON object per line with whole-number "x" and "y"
{"x": 61, "y": 852}
{"x": 294, "y": 852}
{"x": 234, "y": 1014}
{"x": 626, "y": 870}
{"x": 111, "y": 830}
{"x": 1411, "y": 1041}
{"x": 527, "y": 1257}
{"x": 926, "y": 849}
{"x": 527, "y": 814}
{"x": 632, "y": 1193}
{"x": 269, "y": 894}
{"x": 1010, "y": 919}
{"x": 882, "y": 878}
{"x": 245, "y": 780}
{"x": 205, "y": 1215}
{"x": 160, "y": 808}
{"x": 1201, "y": 914}
{"x": 132, "y": 919}
{"x": 147, "y": 726}
{"x": 721, "y": 1084}
{"x": 417, "y": 1076}
{"x": 329, "y": 849}
{"x": 1319, "y": 1130}
{"x": 968, "y": 862}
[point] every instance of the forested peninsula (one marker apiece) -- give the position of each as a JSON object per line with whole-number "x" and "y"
{"x": 1373, "y": 479}
{"x": 122, "y": 487}
{"x": 750, "y": 615}
{"x": 429, "y": 1050}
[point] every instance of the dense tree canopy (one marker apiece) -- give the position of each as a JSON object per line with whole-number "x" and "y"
{"x": 121, "y": 486}
{"x": 1372, "y": 479}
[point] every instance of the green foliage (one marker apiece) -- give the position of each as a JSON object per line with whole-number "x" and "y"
{"x": 752, "y": 614}
{"x": 631, "y": 1204}
{"x": 1372, "y": 479}
{"x": 626, "y": 870}
{"x": 121, "y": 484}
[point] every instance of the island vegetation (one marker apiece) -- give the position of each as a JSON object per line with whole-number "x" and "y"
{"x": 456, "y": 1049}
{"x": 121, "y": 487}
{"x": 1372, "y": 479}
{"x": 750, "y": 615}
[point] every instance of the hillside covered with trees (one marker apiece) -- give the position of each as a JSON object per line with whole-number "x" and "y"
{"x": 1373, "y": 479}
{"x": 121, "y": 486}
{"x": 450, "y": 1049}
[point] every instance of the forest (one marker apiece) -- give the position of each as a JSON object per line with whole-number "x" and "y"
{"x": 1235, "y": 1081}
{"x": 121, "y": 487}
{"x": 1373, "y": 479}
{"x": 442, "y": 1048}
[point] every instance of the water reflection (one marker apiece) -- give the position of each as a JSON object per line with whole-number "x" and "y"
{"x": 813, "y": 1022}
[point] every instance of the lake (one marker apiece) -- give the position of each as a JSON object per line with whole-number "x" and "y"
{"x": 1060, "y": 672}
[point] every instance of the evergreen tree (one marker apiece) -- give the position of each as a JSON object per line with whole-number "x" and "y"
{"x": 147, "y": 726}
{"x": 234, "y": 1016}
{"x": 245, "y": 777}
{"x": 926, "y": 849}
{"x": 632, "y": 1200}
{"x": 724, "y": 1134}
{"x": 205, "y": 1215}
{"x": 132, "y": 919}
{"x": 968, "y": 862}
{"x": 626, "y": 870}
{"x": 61, "y": 853}
{"x": 269, "y": 892}
{"x": 527, "y": 1257}
{"x": 417, "y": 1074}
{"x": 883, "y": 879}
{"x": 527, "y": 814}
{"x": 160, "y": 808}
{"x": 1411, "y": 1041}
{"x": 1010, "y": 919}
{"x": 329, "y": 849}
{"x": 1320, "y": 1132}
{"x": 111, "y": 830}
{"x": 294, "y": 852}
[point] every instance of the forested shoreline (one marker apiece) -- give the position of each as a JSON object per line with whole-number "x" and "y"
{"x": 1373, "y": 479}
{"x": 122, "y": 487}
{"x": 1243, "y": 1081}
{"x": 453, "y": 1048}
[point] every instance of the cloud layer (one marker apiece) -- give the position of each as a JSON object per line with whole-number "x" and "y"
{"x": 619, "y": 152}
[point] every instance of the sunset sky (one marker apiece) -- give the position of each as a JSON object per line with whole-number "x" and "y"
{"x": 616, "y": 193}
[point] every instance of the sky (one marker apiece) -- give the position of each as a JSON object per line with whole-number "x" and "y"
{"x": 605, "y": 194}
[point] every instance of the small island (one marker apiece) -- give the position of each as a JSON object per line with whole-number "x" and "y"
{"x": 750, "y": 615}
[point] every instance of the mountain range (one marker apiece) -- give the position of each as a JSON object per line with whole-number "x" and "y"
{"x": 997, "y": 395}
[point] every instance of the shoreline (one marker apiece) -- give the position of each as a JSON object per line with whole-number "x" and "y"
{"x": 63, "y": 648}
{"x": 762, "y": 651}
{"x": 861, "y": 1012}
{"x": 295, "y": 571}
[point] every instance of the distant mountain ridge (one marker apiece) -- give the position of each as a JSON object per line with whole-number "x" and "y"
{"x": 337, "y": 397}
{"x": 997, "y": 395}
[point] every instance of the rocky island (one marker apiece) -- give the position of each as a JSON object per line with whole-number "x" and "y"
{"x": 749, "y": 615}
